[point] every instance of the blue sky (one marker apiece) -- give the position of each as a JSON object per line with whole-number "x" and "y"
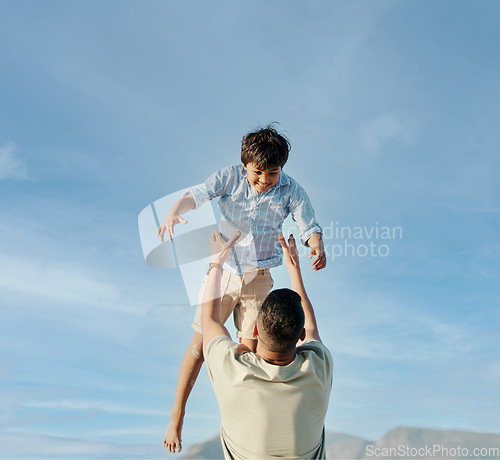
{"x": 391, "y": 109}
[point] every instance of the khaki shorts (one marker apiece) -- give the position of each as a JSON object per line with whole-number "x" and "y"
{"x": 243, "y": 294}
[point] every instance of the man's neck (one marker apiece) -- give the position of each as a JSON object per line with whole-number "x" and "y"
{"x": 272, "y": 357}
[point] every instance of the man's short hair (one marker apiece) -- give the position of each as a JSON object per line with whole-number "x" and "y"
{"x": 281, "y": 320}
{"x": 265, "y": 147}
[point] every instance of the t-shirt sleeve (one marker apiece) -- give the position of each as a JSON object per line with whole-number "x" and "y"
{"x": 216, "y": 185}
{"x": 219, "y": 348}
{"x": 321, "y": 359}
{"x": 303, "y": 213}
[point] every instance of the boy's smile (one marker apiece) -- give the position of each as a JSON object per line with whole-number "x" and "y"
{"x": 262, "y": 179}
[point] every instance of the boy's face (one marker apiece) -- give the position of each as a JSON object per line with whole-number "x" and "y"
{"x": 262, "y": 179}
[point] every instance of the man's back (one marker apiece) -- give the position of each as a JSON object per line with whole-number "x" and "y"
{"x": 285, "y": 406}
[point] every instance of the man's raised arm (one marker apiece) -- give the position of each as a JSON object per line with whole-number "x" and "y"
{"x": 291, "y": 258}
{"x": 211, "y": 325}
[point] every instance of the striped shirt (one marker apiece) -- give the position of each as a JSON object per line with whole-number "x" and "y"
{"x": 259, "y": 217}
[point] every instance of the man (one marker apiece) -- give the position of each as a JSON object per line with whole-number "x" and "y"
{"x": 273, "y": 402}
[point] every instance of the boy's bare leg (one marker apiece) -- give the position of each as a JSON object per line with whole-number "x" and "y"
{"x": 188, "y": 373}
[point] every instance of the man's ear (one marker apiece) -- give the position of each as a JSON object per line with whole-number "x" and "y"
{"x": 256, "y": 332}
{"x": 303, "y": 334}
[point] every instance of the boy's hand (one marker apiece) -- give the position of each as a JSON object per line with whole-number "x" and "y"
{"x": 315, "y": 242}
{"x": 168, "y": 224}
{"x": 290, "y": 253}
{"x": 219, "y": 251}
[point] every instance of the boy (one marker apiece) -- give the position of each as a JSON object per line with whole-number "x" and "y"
{"x": 254, "y": 199}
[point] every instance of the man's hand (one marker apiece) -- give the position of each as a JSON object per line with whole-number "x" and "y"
{"x": 168, "y": 224}
{"x": 315, "y": 242}
{"x": 219, "y": 250}
{"x": 290, "y": 253}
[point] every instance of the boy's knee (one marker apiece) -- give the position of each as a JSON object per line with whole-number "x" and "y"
{"x": 197, "y": 351}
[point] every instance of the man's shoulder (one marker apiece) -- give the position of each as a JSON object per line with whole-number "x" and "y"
{"x": 317, "y": 348}
{"x": 319, "y": 358}
{"x": 222, "y": 358}
{"x": 219, "y": 344}
{"x": 314, "y": 344}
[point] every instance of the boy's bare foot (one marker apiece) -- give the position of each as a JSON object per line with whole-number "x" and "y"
{"x": 172, "y": 440}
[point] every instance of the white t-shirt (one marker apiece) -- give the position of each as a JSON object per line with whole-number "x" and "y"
{"x": 268, "y": 410}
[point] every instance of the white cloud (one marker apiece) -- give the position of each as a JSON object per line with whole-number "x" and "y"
{"x": 108, "y": 407}
{"x": 386, "y": 327}
{"x": 56, "y": 281}
{"x": 20, "y": 444}
{"x": 133, "y": 431}
{"x": 378, "y": 132}
{"x": 11, "y": 167}
{"x": 79, "y": 405}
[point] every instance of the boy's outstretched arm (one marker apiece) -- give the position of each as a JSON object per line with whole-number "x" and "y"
{"x": 211, "y": 325}
{"x": 181, "y": 206}
{"x": 291, "y": 257}
{"x": 315, "y": 242}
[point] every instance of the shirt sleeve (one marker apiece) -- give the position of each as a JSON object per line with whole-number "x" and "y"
{"x": 217, "y": 350}
{"x": 303, "y": 213}
{"x": 323, "y": 360}
{"x": 215, "y": 186}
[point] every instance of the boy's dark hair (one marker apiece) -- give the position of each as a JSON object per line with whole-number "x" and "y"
{"x": 281, "y": 320}
{"x": 265, "y": 147}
